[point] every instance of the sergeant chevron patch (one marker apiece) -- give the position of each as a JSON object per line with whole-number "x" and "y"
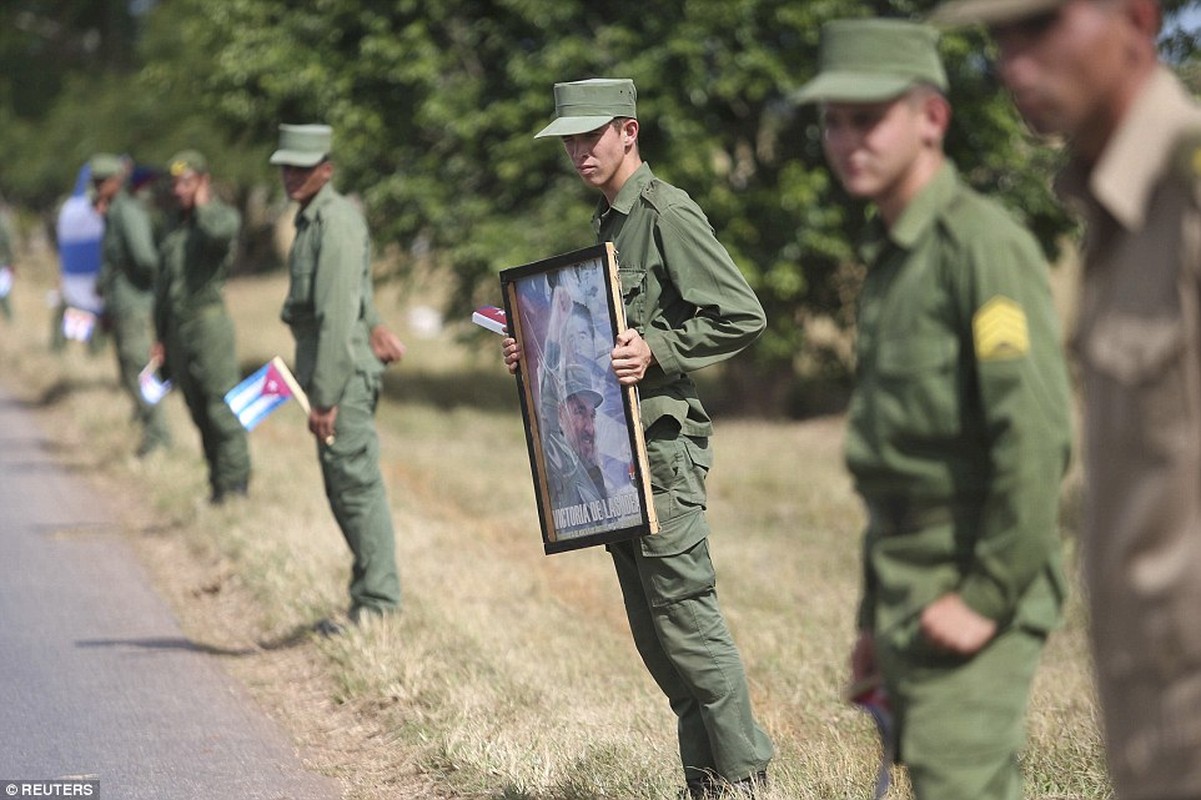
{"x": 1000, "y": 330}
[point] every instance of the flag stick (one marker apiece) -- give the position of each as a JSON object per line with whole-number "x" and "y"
{"x": 290, "y": 379}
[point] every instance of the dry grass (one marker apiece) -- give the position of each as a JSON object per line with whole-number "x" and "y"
{"x": 509, "y": 674}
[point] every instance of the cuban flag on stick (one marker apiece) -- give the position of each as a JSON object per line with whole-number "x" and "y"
{"x": 265, "y": 390}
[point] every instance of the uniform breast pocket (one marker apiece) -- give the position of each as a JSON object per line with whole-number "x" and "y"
{"x": 300, "y": 289}
{"x": 919, "y": 385}
{"x": 633, "y": 293}
{"x": 1139, "y": 374}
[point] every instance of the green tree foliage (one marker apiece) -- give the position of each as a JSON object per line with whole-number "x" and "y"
{"x": 82, "y": 76}
{"x": 435, "y": 104}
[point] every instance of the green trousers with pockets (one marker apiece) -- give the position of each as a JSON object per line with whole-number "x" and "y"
{"x": 131, "y": 325}
{"x": 961, "y": 722}
{"x": 669, "y": 587}
{"x": 203, "y": 366}
{"x": 355, "y": 488}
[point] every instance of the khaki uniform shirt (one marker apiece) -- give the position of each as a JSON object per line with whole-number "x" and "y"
{"x": 958, "y": 432}
{"x": 1139, "y": 343}
{"x": 329, "y": 304}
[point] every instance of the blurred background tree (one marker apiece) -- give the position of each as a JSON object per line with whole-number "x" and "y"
{"x": 435, "y": 103}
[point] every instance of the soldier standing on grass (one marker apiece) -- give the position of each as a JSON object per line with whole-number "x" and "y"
{"x": 195, "y": 332}
{"x": 958, "y": 431}
{"x": 1089, "y": 71}
{"x": 341, "y": 351}
{"x": 126, "y": 283}
{"x": 7, "y": 267}
{"x": 687, "y": 306}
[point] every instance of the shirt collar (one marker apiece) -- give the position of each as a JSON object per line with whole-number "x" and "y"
{"x": 1137, "y": 155}
{"x": 627, "y": 195}
{"x": 307, "y": 214}
{"x": 925, "y": 207}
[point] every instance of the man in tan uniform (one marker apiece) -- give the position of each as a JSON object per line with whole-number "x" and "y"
{"x": 1089, "y": 71}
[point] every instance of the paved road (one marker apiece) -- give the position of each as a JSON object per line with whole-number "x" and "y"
{"x": 96, "y": 677}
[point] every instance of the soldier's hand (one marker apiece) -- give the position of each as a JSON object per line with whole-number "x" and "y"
{"x": 863, "y": 658}
{"x": 204, "y": 190}
{"x": 158, "y": 353}
{"x": 631, "y": 357}
{"x": 950, "y": 624}
{"x": 386, "y": 345}
{"x": 511, "y": 353}
{"x": 321, "y": 423}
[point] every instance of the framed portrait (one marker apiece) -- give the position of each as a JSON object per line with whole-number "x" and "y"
{"x": 583, "y": 429}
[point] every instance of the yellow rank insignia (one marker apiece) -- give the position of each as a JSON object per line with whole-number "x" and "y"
{"x": 1000, "y": 330}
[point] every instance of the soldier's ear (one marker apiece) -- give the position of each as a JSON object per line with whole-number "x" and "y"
{"x": 629, "y": 131}
{"x": 936, "y": 115}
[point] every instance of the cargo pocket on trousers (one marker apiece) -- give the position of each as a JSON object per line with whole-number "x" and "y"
{"x": 679, "y": 465}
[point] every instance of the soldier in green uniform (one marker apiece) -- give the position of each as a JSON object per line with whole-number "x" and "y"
{"x": 195, "y": 332}
{"x": 339, "y": 362}
{"x": 687, "y": 306}
{"x": 126, "y": 282}
{"x": 7, "y": 268}
{"x": 1090, "y": 72}
{"x": 958, "y": 432}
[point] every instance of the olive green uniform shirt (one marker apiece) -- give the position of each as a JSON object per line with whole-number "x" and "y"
{"x": 6, "y": 248}
{"x": 682, "y": 293}
{"x": 197, "y": 253}
{"x": 692, "y": 306}
{"x": 960, "y": 409}
{"x": 1139, "y": 345}
{"x": 329, "y": 306}
{"x": 130, "y": 258}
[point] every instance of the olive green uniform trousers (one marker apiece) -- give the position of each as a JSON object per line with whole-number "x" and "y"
{"x": 355, "y": 488}
{"x": 200, "y": 356}
{"x": 129, "y": 316}
{"x": 671, "y": 602}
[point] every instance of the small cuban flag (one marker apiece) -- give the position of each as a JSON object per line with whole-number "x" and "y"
{"x": 265, "y": 390}
{"x": 78, "y": 324}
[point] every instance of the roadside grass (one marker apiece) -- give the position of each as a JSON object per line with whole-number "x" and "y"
{"x": 509, "y": 675}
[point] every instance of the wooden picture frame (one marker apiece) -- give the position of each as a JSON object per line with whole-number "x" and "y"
{"x": 583, "y": 429}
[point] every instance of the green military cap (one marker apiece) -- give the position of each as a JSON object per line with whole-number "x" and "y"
{"x": 303, "y": 145}
{"x": 991, "y": 12}
{"x": 873, "y": 60}
{"x": 186, "y": 160}
{"x": 583, "y": 106}
{"x": 105, "y": 165}
{"x": 578, "y": 380}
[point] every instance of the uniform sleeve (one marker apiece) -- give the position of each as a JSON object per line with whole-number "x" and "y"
{"x": 337, "y": 299}
{"x": 370, "y": 313}
{"x": 716, "y": 314}
{"x": 139, "y": 245}
{"x": 217, "y": 225}
{"x": 162, "y": 300}
{"x": 6, "y": 250}
{"x": 1023, "y": 394}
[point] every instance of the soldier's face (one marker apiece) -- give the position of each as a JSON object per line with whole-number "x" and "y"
{"x": 183, "y": 188}
{"x": 872, "y": 147}
{"x": 578, "y": 419}
{"x": 302, "y": 183}
{"x": 107, "y": 188}
{"x": 599, "y": 156}
{"x": 1066, "y": 69}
